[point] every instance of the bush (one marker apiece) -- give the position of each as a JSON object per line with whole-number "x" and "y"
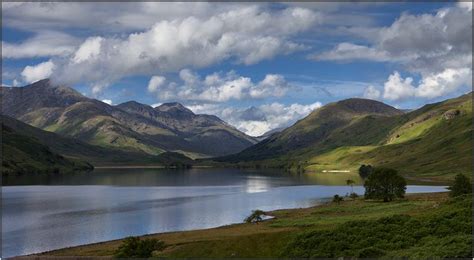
{"x": 444, "y": 233}
{"x": 371, "y": 252}
{"x": 337, "y": 198}
{"x": 386, "y": 184}
{"x": 256, "y": 216}
{"x": 461, "y": 186}
{"x": 353, "y": 195}
{"x": 134, "y": 247}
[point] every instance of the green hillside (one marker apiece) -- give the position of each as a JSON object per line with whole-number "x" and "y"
{"x": 74, "y": 149}
{"x": 26, "y": 154}
{"x": 435, "y": 140}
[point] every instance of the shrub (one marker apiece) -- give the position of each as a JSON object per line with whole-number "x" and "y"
{"x": 337, "y": 198}
{"x": 386, "y": 184}
{"x": 256, "y": 216}
{"x": 353, "y": 195}
{"x": 445, "y": 233}
{"x": 461, "y": 186}
{"x": 134, "y": 247}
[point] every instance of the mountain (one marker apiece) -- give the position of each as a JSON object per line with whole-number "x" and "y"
{"x": 131, "y": 126}
{"x": 269, "y": 133}
{"x": 22, "y": 153}
{"x": 433, "y": 141}
{"x": 319, "y": 130}
{"x": 72, "y": 149}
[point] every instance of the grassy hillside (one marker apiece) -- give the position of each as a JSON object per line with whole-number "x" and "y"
{"x": 434, "y": 141}
{"x": 25, "y": 154}
{"x": 422, "y": 226}
{"x": 75, "y": 150}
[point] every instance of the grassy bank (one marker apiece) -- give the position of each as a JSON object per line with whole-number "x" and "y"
{"x": 421, "y": 225}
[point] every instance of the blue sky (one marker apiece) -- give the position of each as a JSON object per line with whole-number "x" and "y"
{"x": 284, "y": 60}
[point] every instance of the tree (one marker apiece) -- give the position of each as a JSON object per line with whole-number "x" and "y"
{"x": 337, "y": 198}
{"x": 461, "y": 185}
{"x": 134, "y": 247}
{"x": 256, "y": 216}
{"x": 350, "y": 183}
{"x": 386, "y": 184}
{"x": 365, "y": 170}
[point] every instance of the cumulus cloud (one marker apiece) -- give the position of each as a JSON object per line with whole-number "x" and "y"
{"x": 423, "y": 43}
{"x": 155, "y": 83}
{"x": 431, "y": 86}
{"x": 38, "y": 72}
{"x": 43, "y": 44}
{"x": 107, "y": 101}
{"x": 246, "y": 35}
{"x": 371, "y": 92}
{"x": 257, "y": 120}
{"x": 348, "y": 51}
{"x": 218, "y": 87}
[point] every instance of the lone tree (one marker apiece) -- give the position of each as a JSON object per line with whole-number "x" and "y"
{"x": 365, "y": 170}
{"x": 350, "y": 182}
{"x": 256, "y": 216}
{"x": 386, "y": 184}
{"x": 461, "y": 186}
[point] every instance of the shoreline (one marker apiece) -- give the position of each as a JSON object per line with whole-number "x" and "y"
{"x": 178, "y": 239}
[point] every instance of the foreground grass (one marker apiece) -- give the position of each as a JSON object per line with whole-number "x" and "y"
{"x": 422, "y": 225}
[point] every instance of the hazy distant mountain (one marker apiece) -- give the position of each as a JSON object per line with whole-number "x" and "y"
{"x": 435, "y": 140}
{"x": 130, "y": 126}
{"x": 269, "y": 133}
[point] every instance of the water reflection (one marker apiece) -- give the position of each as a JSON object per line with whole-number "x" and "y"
{"x": 111, "y": 204}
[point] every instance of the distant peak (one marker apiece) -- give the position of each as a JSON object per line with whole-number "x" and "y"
{"x": 174, "y": 107}
{"x": 131, "y": 103}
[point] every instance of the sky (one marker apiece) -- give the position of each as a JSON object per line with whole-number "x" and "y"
{"x": 258, "y": 66}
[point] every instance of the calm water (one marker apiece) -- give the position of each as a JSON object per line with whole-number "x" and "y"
{"x": 51, "y": 212}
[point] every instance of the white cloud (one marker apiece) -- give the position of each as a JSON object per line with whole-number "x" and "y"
{"x": 107, "y": 101}
{"x": 465, "y": 4}
{"x": 430, "y": 86}
{"x": 88, "y": 50}
{"x": 397, "y": 88}
{"x": 348, "y": 51}
{"x": 43, "y": 44}
{"x": 371, "y": 92}
{"x": 155, "y": 83}
{"x": 256, "y": 121}
{"x": 102, "y": 17}
{"x": 15, "y": 83}
{"x": 218, "y": 87}
{"x": 447, "y": 81}
{"x": 38, "y": 72}
{"x": 423, "y": 43}
{"x": 245, "y": 35}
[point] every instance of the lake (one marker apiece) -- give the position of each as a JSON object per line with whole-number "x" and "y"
{"x": 43, "y": 213}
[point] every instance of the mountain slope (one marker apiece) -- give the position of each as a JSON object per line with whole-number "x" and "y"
{"x": 431, "y": 141}
{"x": 75, "y": 150}
{"x": 26, "y": 154}
{"x": 131, "y": 126}
{"x": 316, "y": 131}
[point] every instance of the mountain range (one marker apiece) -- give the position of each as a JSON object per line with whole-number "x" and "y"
{"x": 130, "y": 126}
{"x": 433, "y": 141}
{"x": 65, "y": 129}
